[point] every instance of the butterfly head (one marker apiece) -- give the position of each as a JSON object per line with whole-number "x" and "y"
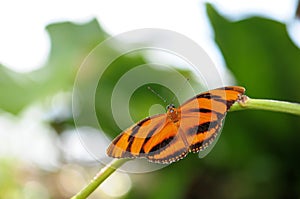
{"x": 172, "y": 112}
{"x": 171, "y": 108}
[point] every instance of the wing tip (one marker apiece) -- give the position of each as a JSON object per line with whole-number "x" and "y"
{"x": 239, "y": 89}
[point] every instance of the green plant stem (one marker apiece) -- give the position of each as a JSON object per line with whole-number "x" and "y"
{"x": 99, "y": 178}
{"x": 245, "y": 103}
{"x": 269, "y": 105}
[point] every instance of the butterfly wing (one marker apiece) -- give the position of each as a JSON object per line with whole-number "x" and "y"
{"x": 167, "y": 145}
{"x": 161, "y": 140}
{"x": 202, "y": 116}
{"x": 130, "y": 143}
{"x": 155, "y": 138}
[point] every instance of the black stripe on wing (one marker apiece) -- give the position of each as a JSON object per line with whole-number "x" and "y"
{"x": 149, "y": 135}
{"x": 205, "y": 110}
{"x": 201, "y": 145}
{"x": 134, "y": 131}
{"x": 161, "y": 145}
{"x": 202, "y": 128}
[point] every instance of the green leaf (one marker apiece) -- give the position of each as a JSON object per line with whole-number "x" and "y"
{"x": 70, "y": 43}
{"x": 260, "y": 147}
{"x": 259, "y": 49}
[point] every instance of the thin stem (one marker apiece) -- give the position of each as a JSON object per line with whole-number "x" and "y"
{"x": 99, "y": 178}
{"x": 269, "y": 105}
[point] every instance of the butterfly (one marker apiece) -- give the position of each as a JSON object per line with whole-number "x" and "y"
{"x": 169, "y": 137}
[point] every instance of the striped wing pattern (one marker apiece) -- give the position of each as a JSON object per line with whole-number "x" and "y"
{"x": 166, "y": 138}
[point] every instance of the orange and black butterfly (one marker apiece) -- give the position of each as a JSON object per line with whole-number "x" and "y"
{"x": 166, "y": 138}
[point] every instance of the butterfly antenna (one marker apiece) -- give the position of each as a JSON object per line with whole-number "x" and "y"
{"x": 158, "y": 95}
{"x": 179, "y": 91}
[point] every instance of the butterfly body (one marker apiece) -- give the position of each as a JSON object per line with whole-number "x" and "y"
{"x": 166, "y": 138}
{"x": 173, "y": 113}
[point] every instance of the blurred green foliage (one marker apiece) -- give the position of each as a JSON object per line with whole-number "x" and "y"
{"x": 70, "y": 44}
{"x": 262, "y": 146}
{"x": 257, "y": 155}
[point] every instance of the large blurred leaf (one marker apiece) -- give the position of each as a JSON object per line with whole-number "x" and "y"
{"x": 259, "y": 49}
{"x": 261, "y": 147}
{"x": 70, "y": 43}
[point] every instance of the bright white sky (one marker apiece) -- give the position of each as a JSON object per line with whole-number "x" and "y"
{"x": 24, "y": 44}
